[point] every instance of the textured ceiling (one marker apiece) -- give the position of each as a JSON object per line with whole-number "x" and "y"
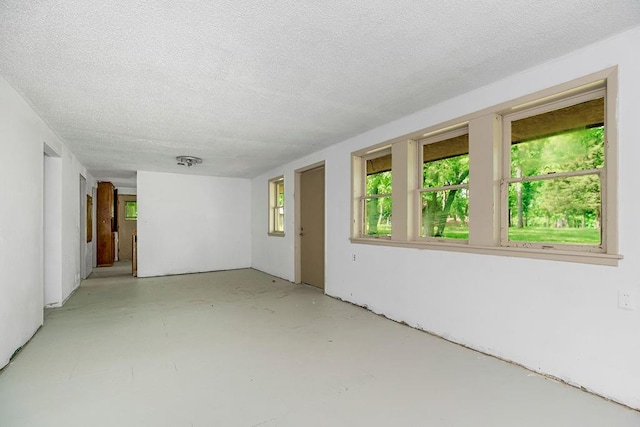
{"x": 248, "y": 85}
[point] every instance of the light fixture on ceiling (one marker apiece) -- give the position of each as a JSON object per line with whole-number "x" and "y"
{"x": 188, "y": 160}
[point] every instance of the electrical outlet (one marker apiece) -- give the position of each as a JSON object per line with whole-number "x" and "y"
{"x": 353, "y": 257}
{"x": 626, "y": 300}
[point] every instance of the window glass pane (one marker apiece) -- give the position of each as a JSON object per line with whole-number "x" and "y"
{"x": 563, "y": 140}
{"x": 130, "y": 210}
{"x": 451, "y": 171}
{"x": 377, "y": 216}
{"x": 280, "y": 193}
{"x": 571, "y": 151}
{"x": 450, "y": 147}
{"x": 561, "y": 210}
{"x": 279, "y": 219}
{"x": 445, "y": 214}
{"x": 379, "y": 183}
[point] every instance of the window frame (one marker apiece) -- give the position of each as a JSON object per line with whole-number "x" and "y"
{"x": 449, "y": 133}
{"x": 127, "y": 217}
{"x": 360, "y": 183}
{"x": 571, "y": 100}
{"x": 486, "y": 172}
{"x": 274, "y": 206}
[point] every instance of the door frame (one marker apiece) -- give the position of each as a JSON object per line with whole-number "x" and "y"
{"x": 297, "y": 219}
{"x": 121, "y": 220}
{"x": 83, "y": 227}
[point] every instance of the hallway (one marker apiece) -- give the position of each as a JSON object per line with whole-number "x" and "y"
{"x": 242, "y": 348}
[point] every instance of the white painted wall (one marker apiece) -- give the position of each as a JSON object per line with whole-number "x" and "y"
{"x": 273, "y": 254}
{"x": 191, "y": 223}
{"x": 24, "y": 135}
{"x": 52, "y": 230}
{"x": 553, "y": 317}
{"x": 64, "y": 252}
{"x": 127, "y": 190}
{"x": 92, "y": 253}
{"x": 71, "y": 222}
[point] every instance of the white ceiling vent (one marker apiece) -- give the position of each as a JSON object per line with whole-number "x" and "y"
{"x": 188, "y": 160}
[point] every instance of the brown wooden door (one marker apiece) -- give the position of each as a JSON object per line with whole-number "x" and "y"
{"x": 126, "y": 228}
{"x": 312, "y": 227}
{"x": 104, "y": 226}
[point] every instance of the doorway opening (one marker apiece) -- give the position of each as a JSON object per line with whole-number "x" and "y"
{"x": 127, "y": 225}
{"x": 52, "y": 228}
{"x": 83, "y": 228}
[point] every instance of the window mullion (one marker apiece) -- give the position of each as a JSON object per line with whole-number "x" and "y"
{"x": 443, "y": 188}
{"x": 377, "y": 196}
{"x": 555, "y": 175}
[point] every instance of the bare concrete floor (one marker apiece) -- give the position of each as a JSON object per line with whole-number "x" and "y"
{"x": 240, "y": 348}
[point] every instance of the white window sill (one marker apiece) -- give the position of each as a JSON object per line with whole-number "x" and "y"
{"x": 535, "y": 253}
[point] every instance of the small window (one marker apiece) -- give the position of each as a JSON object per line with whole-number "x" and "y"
{"x": 553, "y": 186}
{"x": 375, "y": 203}
{"x": 444, "y": 191}
{"x": 276, "y": 206}
{"x": 131, "y": 211}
